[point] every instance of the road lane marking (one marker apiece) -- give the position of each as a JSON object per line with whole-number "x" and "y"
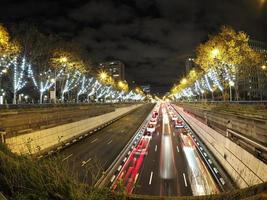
{"x": 209, "y": 161}
{"x": 119, "y": 168}
{"x": 150, "y": 179}
{"x": 94, "y": 140}
{"x": 185, "y": 182}
{"x": 222, "y": 181}
{"x": 67, "y": 157}
{"x": 85, "y": 162}
{"x": 112, "y": 179}
{"x": 216, "y": 171}
{"x": 177, "y": 149}
{"x": 109, "y": 141}
{"x": 156, "y": 147}
{"x": 124, "y": 159}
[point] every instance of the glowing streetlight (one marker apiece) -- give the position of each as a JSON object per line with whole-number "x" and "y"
{"x": 53, "y": 80}
{"x": 263, "y": 67}
{"x": 214, "y": 53}
{"x": 183, "y": 81}
{"x": 63, "y": 59}
{"x": 103, "y": 75}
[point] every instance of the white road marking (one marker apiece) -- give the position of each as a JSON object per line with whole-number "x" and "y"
{"x": 156, "y": 147}
{"x": 177, "y": 149}
{"x": 205, "y": 154}
{"x": 185, "y": 182}
{"x": 85, "y": 162}
{"x": 67, "y": 157}
{"x": 124, "y": 159}
{"x": 94, "y": 140}
{"x": 109, "y": 141}
{"x": 150, "y": 179}
{"x": 67, "y": 144}
{"x": 119, "y": 168}
{"x": 222, "y": 181}
{"x": 216, "y": 171}
{"x": 209, "y": 161}
{"x": 112, "y": 179}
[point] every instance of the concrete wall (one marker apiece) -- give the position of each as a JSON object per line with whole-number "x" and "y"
{"x": 43, "y": 139}
{"x": 243, "y": 167}
{"x": 253, "y": 128}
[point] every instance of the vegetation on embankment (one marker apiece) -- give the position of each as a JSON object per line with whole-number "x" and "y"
{"x": 26, "y": 178}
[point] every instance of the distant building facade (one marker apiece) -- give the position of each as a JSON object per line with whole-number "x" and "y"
{"x": 146, "y": 88}
{"x": 189, "y": 64}
{"x": 254, "y": 85}
{"x": 115, "y": 68}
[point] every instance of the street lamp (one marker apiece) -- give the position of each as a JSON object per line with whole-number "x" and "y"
{"x": 231, "y": 83}
{"x": 183, "y": 81}
{"x": 215, "y": 52}
{"x": 103, "y": 75}
{"x": 263, "y": 67}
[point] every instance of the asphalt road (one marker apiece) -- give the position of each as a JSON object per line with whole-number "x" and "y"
{"x": 172, "y": 166}
{"x": 88, "y": 158}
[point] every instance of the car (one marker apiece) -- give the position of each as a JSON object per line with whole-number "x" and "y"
{"x": 178, "y": 123}
{"x": 174, "y": 118}
{"x": 153, "y": 121}
{"x": 150, "y": 128}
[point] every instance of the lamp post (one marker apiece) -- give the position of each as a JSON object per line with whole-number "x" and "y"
{"x": 231, "y": 83}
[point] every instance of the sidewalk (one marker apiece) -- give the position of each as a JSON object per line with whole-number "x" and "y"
{"x": 44, "y": 139}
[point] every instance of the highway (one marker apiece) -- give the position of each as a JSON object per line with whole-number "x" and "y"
{"x": 88, "y": 158}
{"x": 166, "y": 163}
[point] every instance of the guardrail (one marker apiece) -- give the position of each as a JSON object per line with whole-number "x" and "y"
{"x": 259, "y": 149}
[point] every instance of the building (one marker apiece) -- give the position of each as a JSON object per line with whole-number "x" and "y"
{"x": 189, "y": 64}
{"x": 115, "y": 69}
{"x": 146, "y": 88}
{"x": 254, "y": 85}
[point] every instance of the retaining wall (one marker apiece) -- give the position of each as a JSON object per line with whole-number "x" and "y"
{"x": 43, "y": 139}
{"x": 243, "y": 167}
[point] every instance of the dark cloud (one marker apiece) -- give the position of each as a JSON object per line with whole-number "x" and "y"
{"x": 152, "y": 37}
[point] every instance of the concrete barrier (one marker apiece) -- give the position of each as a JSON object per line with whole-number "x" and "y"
{"x": 243, "y": 167}
{"x": 40, "y": 140}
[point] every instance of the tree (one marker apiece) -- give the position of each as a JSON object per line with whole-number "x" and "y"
{"x": 229, "y": 55}
{"x": 36, "y": 49}
{"x": 69, "y": 64}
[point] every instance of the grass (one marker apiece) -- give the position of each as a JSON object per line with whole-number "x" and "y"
{"x": 28, "y": 178}
{"x": 25, "y": 178}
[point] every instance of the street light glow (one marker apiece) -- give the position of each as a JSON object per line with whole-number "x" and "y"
{"x": 183, "y": 81}
{"x": 263, "y": 67}
{"x": 63, "y": 59}
{"x": 214, "y": 53}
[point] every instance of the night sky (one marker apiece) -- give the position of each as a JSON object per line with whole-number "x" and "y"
{"x": 152, "y": 37}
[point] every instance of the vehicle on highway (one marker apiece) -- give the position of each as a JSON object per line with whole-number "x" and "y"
{"x": 155, "y": 114}
{"x": 150, "y": 128}
{"x": 174, "y": 117}
{"x": 178, "y": 123}
{"x": 153, "y": 121}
